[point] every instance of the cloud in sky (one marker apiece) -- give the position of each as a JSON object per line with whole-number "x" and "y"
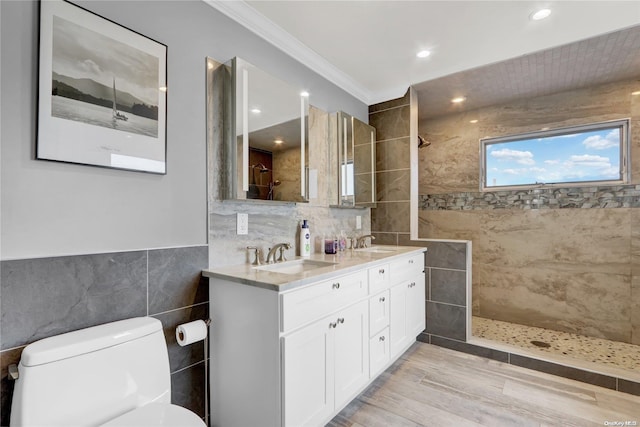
{"x": 597, "y": 142}
{"x": 588, "y": 160}
{"x": 552, "y": 162}
{"x": 520, "y": 157}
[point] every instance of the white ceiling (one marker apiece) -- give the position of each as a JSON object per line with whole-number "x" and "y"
{"x": 368, "y": 47}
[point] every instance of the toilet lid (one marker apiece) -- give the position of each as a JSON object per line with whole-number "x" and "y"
{"x": 156, "y": 415}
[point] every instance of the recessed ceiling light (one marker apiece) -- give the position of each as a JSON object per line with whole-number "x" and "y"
{"x": 423, "y": 54}
{"x": 458, "y": 99}
{"x": 256, "y": 111}
{"x": 636, "y": 92}
{"x": 304, "y": 93}
{"x": 540, "y": 14}
{"x": 278, "y": 141}
{"x": 473, "y": 121}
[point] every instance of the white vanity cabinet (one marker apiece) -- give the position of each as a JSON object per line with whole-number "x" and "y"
{"x": 296, "y": 357}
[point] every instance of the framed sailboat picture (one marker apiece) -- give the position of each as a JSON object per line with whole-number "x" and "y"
{"x": 101, "y": 92}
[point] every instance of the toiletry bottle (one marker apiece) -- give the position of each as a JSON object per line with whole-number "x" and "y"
{"x": 342, "y": 242}
{"x": 305, "y": 239}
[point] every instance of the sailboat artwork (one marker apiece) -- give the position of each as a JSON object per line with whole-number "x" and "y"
{"x": 116, "y": 114}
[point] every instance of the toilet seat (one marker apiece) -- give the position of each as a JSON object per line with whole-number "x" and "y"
{"x": 157, "y": 415}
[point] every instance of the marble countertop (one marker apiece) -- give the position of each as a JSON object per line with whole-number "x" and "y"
{"x": 344, "y": 263}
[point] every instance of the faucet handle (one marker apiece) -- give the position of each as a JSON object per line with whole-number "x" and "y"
{"x": 257, "y": 253}
{"x": 282, "y": 249}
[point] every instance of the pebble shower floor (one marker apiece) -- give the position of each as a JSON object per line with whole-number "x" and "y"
{"x": 580, "y": 347}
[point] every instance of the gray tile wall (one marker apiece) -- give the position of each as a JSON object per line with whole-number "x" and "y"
{"x": 49, "y": 296}
{"x": 390, "y": 219}
{"x": 446, "y": 305}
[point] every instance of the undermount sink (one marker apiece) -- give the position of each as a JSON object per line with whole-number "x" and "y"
{"x": 296, "y": 266}
{"x": 376, "y": 250}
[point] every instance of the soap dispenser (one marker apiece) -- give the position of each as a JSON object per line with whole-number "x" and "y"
{"x": 305, "y": 239}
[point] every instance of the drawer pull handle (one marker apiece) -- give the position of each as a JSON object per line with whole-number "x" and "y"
{"x": 332, "y": 325}
{"x": 340, "y": 319}
{"x": 381, "y": 338}
{"x": 381, "y": 271}
{"x": 382, "y": 299}
{"x": 336, "y": 285}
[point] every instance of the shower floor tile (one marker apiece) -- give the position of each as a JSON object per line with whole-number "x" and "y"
{"x": 612, "y": 353}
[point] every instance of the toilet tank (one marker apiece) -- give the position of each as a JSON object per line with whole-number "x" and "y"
{"x": 90, "y": 376}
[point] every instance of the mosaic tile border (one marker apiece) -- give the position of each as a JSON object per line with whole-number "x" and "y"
{"x": 603, "y": 197}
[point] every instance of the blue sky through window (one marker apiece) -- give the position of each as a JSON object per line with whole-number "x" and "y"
{"x": 591, "y": 155}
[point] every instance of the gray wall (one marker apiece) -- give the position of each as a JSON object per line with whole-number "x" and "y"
{"x": 83, "y": 245}
{"x": 51, "y": 209}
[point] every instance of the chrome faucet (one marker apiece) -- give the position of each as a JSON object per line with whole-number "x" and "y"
{"x": 272, "y": 252}
{"x": 362, "y": 243}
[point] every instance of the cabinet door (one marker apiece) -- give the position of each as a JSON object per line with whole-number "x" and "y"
{"x": 397, "y": 318}
{"x": 378, "y": 312}
{"x": 308, "y": 371}
{"x": 416, "y": 306}
{"x": 351, "y": 351}
{"x": 379, "y": 352}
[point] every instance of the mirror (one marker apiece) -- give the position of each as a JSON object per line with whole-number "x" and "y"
{"x": 356, "y": 154}
{"x": 269, "y": 150}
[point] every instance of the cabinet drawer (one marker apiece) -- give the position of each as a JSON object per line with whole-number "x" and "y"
{"x": 406, "y": 268}
{"x": 379, "y": 354}
{"x": 319, "y": 299}
{"x": 378, "y": 278}
{"x": 378, "y": 312}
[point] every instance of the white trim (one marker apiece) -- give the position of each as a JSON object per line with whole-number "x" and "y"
{"x": 257, "y": 23}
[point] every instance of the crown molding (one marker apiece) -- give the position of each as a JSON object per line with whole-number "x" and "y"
{"x": 254, "y": 21}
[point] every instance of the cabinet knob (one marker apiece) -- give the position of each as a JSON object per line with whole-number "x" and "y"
{"x": 410, "y": 261}
{"x": 381, "y": 271}
{"x": 412, "y": 284}
{"x": 382, "y": 299}
{"x": 340, "y": 319}
{"x": 332, "y": 325}
{"x": 336, "y": 285}
{"x": 381, "y": 338}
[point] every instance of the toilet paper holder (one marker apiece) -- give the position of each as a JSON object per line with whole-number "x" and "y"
{"x": 180, "y": 336}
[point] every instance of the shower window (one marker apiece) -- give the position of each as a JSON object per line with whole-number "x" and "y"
{"x": 595, "y": 153}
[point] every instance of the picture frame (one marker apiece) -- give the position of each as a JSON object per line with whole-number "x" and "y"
{"x": 101, "y": 92}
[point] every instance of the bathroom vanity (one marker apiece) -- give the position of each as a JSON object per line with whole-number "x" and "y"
{"x": 293, "y": 343}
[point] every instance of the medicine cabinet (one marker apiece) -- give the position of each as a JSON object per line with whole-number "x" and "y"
{"x": 266, "y": 136}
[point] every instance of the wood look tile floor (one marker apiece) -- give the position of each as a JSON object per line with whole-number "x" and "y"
{"x": 434, "y": 386}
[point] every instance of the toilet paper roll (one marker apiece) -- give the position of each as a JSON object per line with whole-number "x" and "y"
{"x": 191, "y": 332}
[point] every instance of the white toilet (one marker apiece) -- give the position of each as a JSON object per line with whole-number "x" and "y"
{"x": 116, "y": 374}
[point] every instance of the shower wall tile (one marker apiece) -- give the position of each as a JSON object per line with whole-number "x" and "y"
{"x": 393, "y": 154}
{"x": 391, "y": 123}
{"x": 448, "y": 321}
{"x": 175, "y": 278}
{"x": 49, "y": 296}
{"x": 383, "y": 238}
{"x": 394, "y": 103}
{"x": 182, "y": 357}
{"x": 452, "y": 255}
{"x": 189, "y": 388}
{"x": 448, "y": 286}
{"x": 635, "y": 310}
{"x": 391, "y": 216}
{"x": 393, "y": 186}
